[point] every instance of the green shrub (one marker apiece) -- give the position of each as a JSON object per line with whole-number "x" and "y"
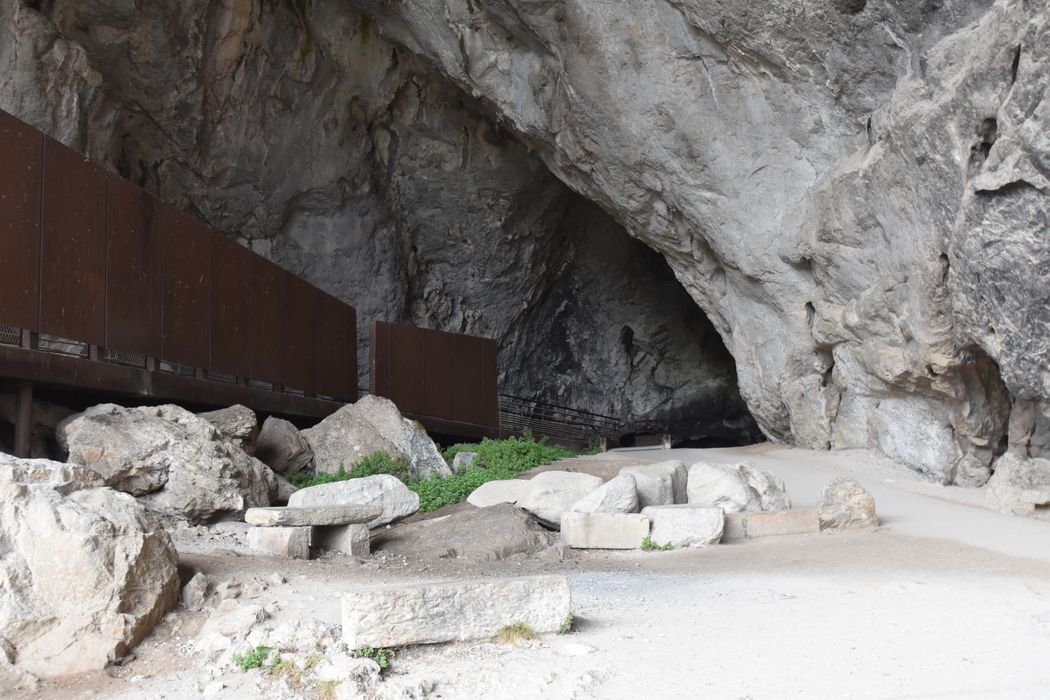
{"x": 380, "y": 655}
{"x": 566, "y": 625}
{"x": 651, "y": 546}
{"x": 375, "y": 463}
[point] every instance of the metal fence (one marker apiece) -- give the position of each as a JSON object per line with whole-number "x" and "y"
{"x": 89, "y": 260}
{"x": 516, "y": 414}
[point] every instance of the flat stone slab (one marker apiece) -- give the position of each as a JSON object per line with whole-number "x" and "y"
{"x": 291, "y": 542}
{"x": 685, "y": 525}
{"x": 395, "y": 614}
{"x": 604, "y": 530}
{"x": 492, "y": 493}
{"x": 303, "y": 516}
{"x": 770, "y": 523}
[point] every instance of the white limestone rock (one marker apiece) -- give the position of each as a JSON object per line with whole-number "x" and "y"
{"x": 772, "y": 494}
{"x": 382, "y": 490}
{"x": 1020, "y": 485}
{"x": 685, "y": 525}
{"x": 552, "y": 493}
{"x": 492, "y": 493}
{"x": 236, "y": 423}
{"x": 617, "y": 495}
{"x": 846, "y": 505}
{"x": 717, "y": 486}
{"x": 604, "y": 530}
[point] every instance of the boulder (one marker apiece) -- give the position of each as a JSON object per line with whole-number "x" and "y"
{"x": 479, "y": 534}
{"x": 655, "y": 486}
{"x": 371, "y": 425}
{"x": 176, "y": 462}
{"x": 772, "y": 494}
{"x": 282, "y": 447}
{"x": 552, "y": 493}
{"x": 383, "y": 490}
{"x": 604, "y": 530}
{"x": 685, "y": 525}
{"x": 500, "y": 491}
{"x": 397, "y": 614}
{"x": 285, "y": 489}
{"x": 617, "y": 495}
{"x": 717, "y": 486}
{"x": 462, "y": 460}
{"x": 1020, "y": 485}
{"x": 846, "y": 505}
{"x": 236, "y": 423}
{"x": 85, "y": 573}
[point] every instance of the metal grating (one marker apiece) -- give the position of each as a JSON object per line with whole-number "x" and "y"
{"x": 62, "y": 346}
{"x": 222, "y": 377}
{"x": 10, "y": 335}
{"x": 176, "y": 368}
{"x": 256, "y": 384}
{"x": 119, "y": 357}
{"x": 556, "y": 422}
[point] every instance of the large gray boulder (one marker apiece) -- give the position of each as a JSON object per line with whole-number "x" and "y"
{"x": 373, "y": 424}
{"x": 177, "y": 463}
{"x": 1020, "y": 485}
{"x": 236, "y": 423}
{"x": 718, "y": 486}
{"x": 846, "y": 505}
{"x": 383, "y": 490}
{"x": 85, "y": 571}
{"x": 772, "y": 494}
{"x": 282, "y": 447}
{"x": 552, "y": 493}
{"x": 479, "y": 534}
{"x": 617, "y": 495}
{"x": 663, "y": 483}
{"x": 498, "y": 491}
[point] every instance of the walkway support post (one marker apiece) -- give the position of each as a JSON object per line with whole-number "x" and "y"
{"x": 23, "y": 419}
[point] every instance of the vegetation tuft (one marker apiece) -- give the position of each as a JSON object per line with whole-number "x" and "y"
{"x": 497, "y": 459}
{"x": 566, "y": 625}
{"x": 251, "y": 659}
{"x": 380, "y": 655}
{"x": 650, "y": 546}
{"x": 517, "y": 632}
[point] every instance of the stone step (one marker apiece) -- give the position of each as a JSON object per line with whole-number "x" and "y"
{"x": 770, "y": 523}
{"x": 685, "y": 525}
{"x": 291, "y": 542}
{"x": 396, "y": 614}
{"x": 304, "y": 516}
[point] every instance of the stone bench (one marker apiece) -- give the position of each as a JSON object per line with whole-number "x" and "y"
{"x": 770, "y": 523}
{"x": 290, "y": 532}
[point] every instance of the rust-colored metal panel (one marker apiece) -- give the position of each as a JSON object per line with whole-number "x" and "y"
{"x": 73, "y": 246}
{"x": 437, "y": 374}
{"x": 350, "y": 323}
{"x": 187, "y": 289}
{"x": 379, "y": 355}
{"x": 490, "y": 376}
{"x": 297, "y": 366}
{"x": 467, "y": 380}
{"x": 267, "y": 314}
{"x": 230, "y": 294}
{"x": 21, "y": 170}
{"x": 406, "y": 368}
{"x": 133, "y": 287}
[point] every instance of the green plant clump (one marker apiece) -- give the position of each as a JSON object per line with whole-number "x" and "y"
{"x": 650, "y": 546}
{"x": 251, "y": 659}
{"x": 380, "y": 655}
{"x": 375, "y": 463}
{"x": 497, "y": 459}
{"x": 566, "y": 625}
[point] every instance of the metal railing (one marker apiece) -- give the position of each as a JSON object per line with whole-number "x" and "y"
{"x": 517, "y": 413}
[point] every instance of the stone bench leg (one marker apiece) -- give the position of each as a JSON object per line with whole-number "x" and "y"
{"x": 351, "y": 540}
{"x": 292, "y": 542}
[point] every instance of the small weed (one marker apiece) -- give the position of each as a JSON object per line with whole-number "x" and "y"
{"x": 566, "y": 625}
{"x": 251, "y": 659}
{"x": 650, "y": 546}
{"x": 375, "y": 463}
{"x": 326, "y": 689}
{"x": 517, "y": 632}
{"x": 380, "y": 655}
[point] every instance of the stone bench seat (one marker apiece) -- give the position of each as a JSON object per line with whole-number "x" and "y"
{"x": 315, "y": 516}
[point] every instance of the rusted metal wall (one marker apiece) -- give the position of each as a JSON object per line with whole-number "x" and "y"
{"x": 73, "y": 246}
{"x": 91, "y": 257}
{"x": 21, "y": 170}
{"x": 446, "y": 378}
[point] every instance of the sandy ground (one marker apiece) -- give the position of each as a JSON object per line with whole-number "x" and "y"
{"x": 949, "y": 599}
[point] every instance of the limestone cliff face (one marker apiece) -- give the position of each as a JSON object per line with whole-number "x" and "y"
{"x": 355, "y": 164}
{"x": 856, "y": 192}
